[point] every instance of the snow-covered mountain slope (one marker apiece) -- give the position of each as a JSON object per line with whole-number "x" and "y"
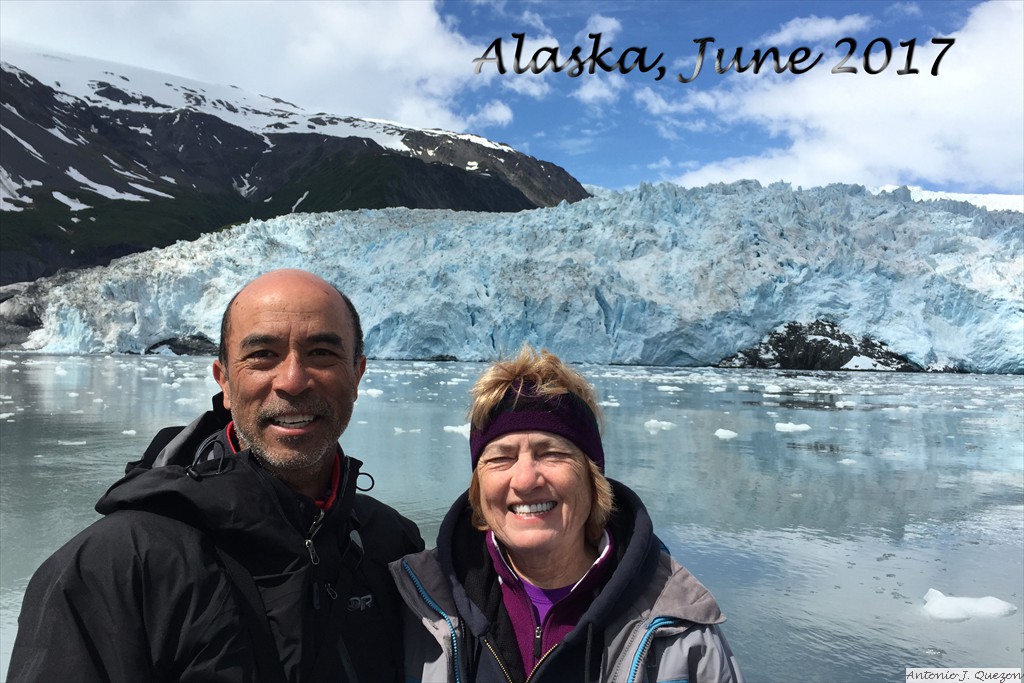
{"x": 99, "y": 160}
{"x": 124, "y": 87}
{"x": 660, "y": 275}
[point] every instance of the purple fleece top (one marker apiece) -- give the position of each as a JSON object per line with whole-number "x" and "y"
{"x": 562, "y": 615}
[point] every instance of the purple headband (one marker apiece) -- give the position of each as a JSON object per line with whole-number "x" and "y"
{"x": 522, "y": 410}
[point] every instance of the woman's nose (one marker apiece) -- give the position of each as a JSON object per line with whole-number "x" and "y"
{"x": 526, "y": 474}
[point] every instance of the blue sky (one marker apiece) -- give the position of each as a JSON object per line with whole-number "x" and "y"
{"x": 412, "y": 62}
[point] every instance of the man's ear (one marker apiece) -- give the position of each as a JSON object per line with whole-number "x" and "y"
{"x": 359, "y": 370}
{"x": 220, "y": 375}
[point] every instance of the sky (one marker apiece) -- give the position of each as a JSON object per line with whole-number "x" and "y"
{"x": 412, "y": 62}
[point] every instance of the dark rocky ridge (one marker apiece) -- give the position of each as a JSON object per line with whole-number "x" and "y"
{"x": 200, "y": 173}
{"x": 818, "y": 345}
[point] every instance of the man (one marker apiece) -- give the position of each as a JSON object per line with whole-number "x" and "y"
{"x": 237, "y": 549}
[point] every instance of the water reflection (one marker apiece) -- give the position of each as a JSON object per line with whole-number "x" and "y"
{"x": 819, "y": 542}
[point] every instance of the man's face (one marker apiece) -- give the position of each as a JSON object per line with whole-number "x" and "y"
{"x": 289, "y": 379}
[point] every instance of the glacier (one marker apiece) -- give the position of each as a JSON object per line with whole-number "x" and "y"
{"x": 657, "y": 275}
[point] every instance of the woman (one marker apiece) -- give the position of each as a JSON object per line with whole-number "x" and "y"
{"x": 544, "y": 569}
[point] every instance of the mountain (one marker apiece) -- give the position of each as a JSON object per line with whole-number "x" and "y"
{"x": 660, "y": 275}
{"x": 100, "y": 160}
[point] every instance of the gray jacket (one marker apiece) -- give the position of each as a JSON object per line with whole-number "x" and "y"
{"x": 665, "y": 629}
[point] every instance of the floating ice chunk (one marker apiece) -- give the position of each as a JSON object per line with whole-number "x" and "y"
{"x": 847, "y": 461}
{"x": 845, "y": 404}
{"x": 655, "y": 426}
{"x": 372, "y": 393}
{"x": 772, "y": 389}
{"x": 790, "y": 427}
{"x": 59, "y": 371}
{"x": 669, "y": 388}
{"x": 458, "y": 429}
{"x": 609, "y": 404}
{"x": 725, "y": 434}
{"x": 4, "y": 416}
{"x": 948, "y": 608}
{"x": 70, "y": 443}
{"x": 185, "y": 401}
{"x": 128, "y": 432}
{"x": 864, "y": 363}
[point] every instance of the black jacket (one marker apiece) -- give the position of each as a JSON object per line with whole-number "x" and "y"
{"x": 147, "y": 594}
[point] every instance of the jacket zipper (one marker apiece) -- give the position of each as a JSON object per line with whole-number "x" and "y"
{"x": 315, "y": 527}
{"x": 437, "y": 608}
{"x": 501, "y": 664}
{"x": 645, "y": 643}
{"x": 541, "y": 661}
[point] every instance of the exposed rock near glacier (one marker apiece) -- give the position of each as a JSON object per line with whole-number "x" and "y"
{"x": 660, "y": 275}
{"x": 818, "y": 345}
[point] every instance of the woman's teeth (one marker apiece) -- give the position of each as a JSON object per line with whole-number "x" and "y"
{"x": 534, "y": 509}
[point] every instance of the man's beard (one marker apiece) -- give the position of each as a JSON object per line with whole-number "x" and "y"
{"x": 306, "y": 457}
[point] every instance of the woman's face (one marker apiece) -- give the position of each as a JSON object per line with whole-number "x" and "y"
{"x": 535, "y": 495}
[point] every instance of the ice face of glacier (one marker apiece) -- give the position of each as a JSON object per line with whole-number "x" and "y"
{"x": 658, "y": 275}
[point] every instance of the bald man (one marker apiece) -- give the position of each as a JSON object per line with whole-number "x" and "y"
{"x": 237, "y": 548}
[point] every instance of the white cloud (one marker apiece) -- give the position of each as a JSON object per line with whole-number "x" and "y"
{"x": 906, "y": 9}
{"x": 323, "y": 56}
{"x": 495, "y": 113}
{"x": 534, "y": 20}
{"x": 597, "y": 89}
{"x": 531, "y": 85}
{"x": 813, "y": 29}
{"x": 962, "y": 127}
{"x": 608, "y": 27}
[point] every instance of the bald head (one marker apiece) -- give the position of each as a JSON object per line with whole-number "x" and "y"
{"x": 283, "y": 282}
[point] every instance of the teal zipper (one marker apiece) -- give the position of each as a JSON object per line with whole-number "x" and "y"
{"x": 437, "y": 608}
{"x": 645, "y": 643}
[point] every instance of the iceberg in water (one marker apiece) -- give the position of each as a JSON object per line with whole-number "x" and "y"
{"x": 948, "y": 608}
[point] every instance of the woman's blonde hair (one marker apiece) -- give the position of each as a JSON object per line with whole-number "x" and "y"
{"x": 548, "y": 377}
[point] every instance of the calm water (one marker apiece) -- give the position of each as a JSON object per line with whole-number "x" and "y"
{"x": 819, "y": 543}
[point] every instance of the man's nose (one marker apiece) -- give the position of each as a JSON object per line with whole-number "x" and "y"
{"x": 292, "y": 376}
